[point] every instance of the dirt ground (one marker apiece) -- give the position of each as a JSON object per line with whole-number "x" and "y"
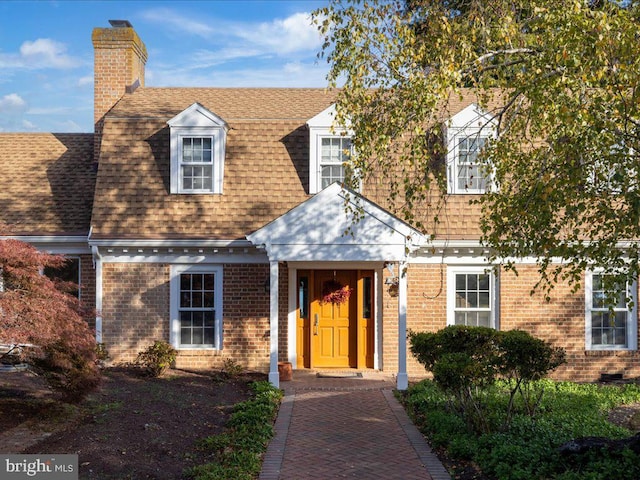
{"x": 132, "y": 427}
{"x": 135, "y": 427}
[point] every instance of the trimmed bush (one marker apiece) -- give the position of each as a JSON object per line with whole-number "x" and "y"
{"x": 157, "y": 358}
{"x": 465, "y": 361}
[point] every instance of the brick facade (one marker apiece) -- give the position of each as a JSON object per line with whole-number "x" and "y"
{"x": 560, "y": 321}
{"x": 136, "y": 313}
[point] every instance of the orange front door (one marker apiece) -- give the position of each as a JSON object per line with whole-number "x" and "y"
{"x": 333, "y": 325}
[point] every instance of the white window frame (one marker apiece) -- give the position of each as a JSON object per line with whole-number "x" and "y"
{"x": 197, "y": 122}
{"x": 631, "y": 315}
{"x": 174, "y": 305}
{"x": 322, "y": 163}
{"x": 322, "y": 126}
{"x": 493, "y": 292}
{"x": 469, "y": 123}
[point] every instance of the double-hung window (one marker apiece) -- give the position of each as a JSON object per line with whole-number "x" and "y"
{"x": 198, "y": 142}
{"x": 335, "y": 153}
{"x": 196, "y": 306}
{"x": 467, "y": 172}
{"x": 471, "y": 297}
{"x": 610, "y": 325}
{"x": 330, "y": 152}
{"x": 468, "y": 133}
{"x": 196, "y": 164}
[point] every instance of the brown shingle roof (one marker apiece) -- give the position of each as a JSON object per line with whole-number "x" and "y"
{"x": 48, "y": 183}
{"x": 265, "y": 172}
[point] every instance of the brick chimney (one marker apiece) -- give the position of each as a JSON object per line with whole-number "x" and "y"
{"x": 119, "y": 60}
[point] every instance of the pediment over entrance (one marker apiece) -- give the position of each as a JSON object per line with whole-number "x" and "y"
{"x": 322, "y": 229}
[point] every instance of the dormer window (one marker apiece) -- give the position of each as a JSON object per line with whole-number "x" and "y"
{"x": 468, "y": 133}
{"x": 198, "y": 140}
{"x": 335, "y": 153}
{"x": 196, "y": 165}
{"x": 330, "y": 151}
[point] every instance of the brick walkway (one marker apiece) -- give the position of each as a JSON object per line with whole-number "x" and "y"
{"x": 331, "y": 428}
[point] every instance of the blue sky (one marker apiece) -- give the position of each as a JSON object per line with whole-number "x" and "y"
{"x": 46, "y": 55}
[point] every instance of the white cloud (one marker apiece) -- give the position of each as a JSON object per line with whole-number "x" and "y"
{"x": 293, "y": 74}
{"x": 12, "y": 103}
{"x": 283, "y": 36}
{"x": 27, "y": 125}
{"x": 233, "y": 40}
{"x": 178, "y": 23}
{"x": 45, "y": 52}
{"x": 39, "y": 54}
{"x": 86, "y": 80}
{"x": 68, "y": 126}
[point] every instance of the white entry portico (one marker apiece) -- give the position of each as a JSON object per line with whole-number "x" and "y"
{"x": 337, "y": 228}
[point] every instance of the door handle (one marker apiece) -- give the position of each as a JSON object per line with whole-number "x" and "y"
{"x": 315, "y": 325}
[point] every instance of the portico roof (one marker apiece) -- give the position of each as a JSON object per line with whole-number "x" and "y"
{"x": 337, "y": 224}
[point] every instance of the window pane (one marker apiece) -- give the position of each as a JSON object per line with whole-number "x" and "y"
{"x": 208, "y": 336}
{"x": 197, "y": 315}
{"x": 473, "y": 299}
{"x": 303, "y": 297}
{"x": 461, "y": 300}
{"x": 366, "y": 297}
{"x": 209, "y": 281}
{"x": 483, "y": 300}
{"x": 185, "y": 336}
{"x": 197, "y": 336}
{"x": 484, "y": 319}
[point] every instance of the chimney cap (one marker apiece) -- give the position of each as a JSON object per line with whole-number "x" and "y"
{"x": 120, "y": 24}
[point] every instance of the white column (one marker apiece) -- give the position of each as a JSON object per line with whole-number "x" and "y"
{"x": 274, "y": 376}
{"x": 403, "y": 379}
{"x": 97, "y": 263}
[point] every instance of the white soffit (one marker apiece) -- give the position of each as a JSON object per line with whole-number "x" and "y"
{"x": 320, "y": 229}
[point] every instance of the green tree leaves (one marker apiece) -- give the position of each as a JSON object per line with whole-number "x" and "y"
{"x": 561, "y": 79}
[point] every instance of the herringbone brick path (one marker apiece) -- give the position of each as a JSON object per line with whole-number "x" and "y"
{"x": 346, "y": 428}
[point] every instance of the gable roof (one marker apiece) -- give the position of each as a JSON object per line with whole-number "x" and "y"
{"x": 48, "y": 183}
{"x": 266, "y": 163}
{"x": 322, "y": 229}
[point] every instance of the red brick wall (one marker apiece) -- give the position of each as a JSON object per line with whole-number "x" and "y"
{"x": 135, "y": 307}
{"x": 88, "y": 284}
{"x": 136, "y": 313}
{"x": 560, "y": 321}
{"x": 245, "y": 322}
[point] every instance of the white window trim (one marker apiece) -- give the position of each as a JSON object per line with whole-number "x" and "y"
{"x": 322, "y": 126}
{"x": 174, "y": 305}
{"x": 632, "y": 316}
{"x": 218, "y": 149}
{"x": 315, "y": 155}
{"x": 470, "y": 122}
{"x": 198, "y": 122}
{"x": 451, "y": 291}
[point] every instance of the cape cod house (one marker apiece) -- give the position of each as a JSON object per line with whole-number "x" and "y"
{"x": 214, "y": 219}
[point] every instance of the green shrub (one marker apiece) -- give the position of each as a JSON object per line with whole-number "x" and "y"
{"x": 465, "y": 361}
{"x": 157, "y": 358}
{"x": 527, "y": 448}
{"x": 238, "y": 452}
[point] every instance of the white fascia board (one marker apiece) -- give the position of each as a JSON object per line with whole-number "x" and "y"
{"x": 167, "y": 243}
{"x": 67, "y": 244}
{"x": 197, "y": 116}
{"x": 341, "y": 253}
{"x": 336, "y": 265}
{"x": 185, "y": 259}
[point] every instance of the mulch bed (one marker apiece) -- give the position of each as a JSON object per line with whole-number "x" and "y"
{"x": 132, "y": 427}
